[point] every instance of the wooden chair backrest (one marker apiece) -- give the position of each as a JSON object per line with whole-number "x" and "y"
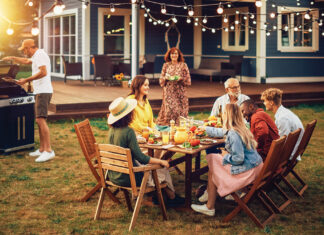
{"x": 288, "y": 148}
{"x": 270, "y": 164}
{"x": 103, "y": 66}
{"x": 304, "y": 141}
{"x": 86, "y": 139}
{"x": 115, "y": 158}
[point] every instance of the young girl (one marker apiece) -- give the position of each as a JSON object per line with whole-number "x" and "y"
{"x": 237, "y": 167}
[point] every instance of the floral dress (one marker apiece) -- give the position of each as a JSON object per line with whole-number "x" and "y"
{"x": 174, "y": 96}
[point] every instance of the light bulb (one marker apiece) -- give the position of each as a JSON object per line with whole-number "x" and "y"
{"x": 286, "y": 28}
{"x": 236, "y": 22}
{"x": 112, "y": 8}
{"x": 225, "y": 20}
{"x": 232, "y": 27}
{"x": 204, "y": 20}
{"x": 190, "y": 11}
{"x": 254, "y": 22}
{"x": 307, "y": 16}
{"x": 150, "y": 20}
{"x": 35, "y": 31}
{"x": 85, "y": 5}
{"x": 229, "y": 5}
{"x": 296, "y": 29}
{"x": 10, "y": 31}
{"x": 155, "y": 23}
{"x": 220, "y": 9}
{"x": 268, "y": 33}
{"x": 274, "y": 27}
{"x": 226, "y": 29}
{"x": 58, "y": 9}
{"x": 213, "y": 30}
{"x": 167, "y": 24}
{"x": 310, "y": 30}
{"x": 134, "y": 1}
{"x": 251, "y": 31}
{"x": 30, "y": 3}
{"x": 272, "y": 15}
{"x": 188, "y": 20}
{"x": 258, "y": 3}
{"x": 203, "y": 29}
{"x": 196, "y": 23}
{"x": 174, "y": 19}
{"x": 163, "y": 9}
{"x": 145, "y": 14}
{"x": 252, "y": 16}
{"x": 322, "y": 33}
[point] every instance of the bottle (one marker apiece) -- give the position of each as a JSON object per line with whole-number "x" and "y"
{"x": 29, "y": 88}
{"x": 172, "y": 130}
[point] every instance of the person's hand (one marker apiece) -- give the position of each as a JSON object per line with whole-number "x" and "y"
{"x": 7, "y": 58}
{"x": 21, "y": 81}
{"x": 165, "y": 163}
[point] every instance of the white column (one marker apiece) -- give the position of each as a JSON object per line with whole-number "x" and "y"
{"x": 197, "y": 37}
{"x": 261, "y": 43}
{"x": 86, "y": 43}
{"x": 135, "y": 39}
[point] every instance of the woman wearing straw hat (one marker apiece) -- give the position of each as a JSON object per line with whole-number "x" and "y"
{"x": 121, "y": 115}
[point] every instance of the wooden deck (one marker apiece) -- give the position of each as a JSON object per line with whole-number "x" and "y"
{"x": 75, "y": 99}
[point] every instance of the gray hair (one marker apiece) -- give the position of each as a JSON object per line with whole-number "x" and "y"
{"x": 228, "y": 81}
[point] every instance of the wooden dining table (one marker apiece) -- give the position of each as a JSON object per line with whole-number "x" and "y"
{"x": 188, "y": 154}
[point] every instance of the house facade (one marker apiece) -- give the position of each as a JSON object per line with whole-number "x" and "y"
{"x": 278, "y": 41}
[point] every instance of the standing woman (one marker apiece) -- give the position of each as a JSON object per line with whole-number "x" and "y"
{"x": 234, "y": 169}
{"x": 174, "y": 97}
{"x": 142, "y": 114}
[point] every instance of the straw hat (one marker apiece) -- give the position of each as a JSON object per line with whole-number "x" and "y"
{"x": 27, "y": 43}
{"x": 119, "y": 108}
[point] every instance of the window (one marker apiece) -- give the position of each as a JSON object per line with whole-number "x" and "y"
{"x": 297, "y": 33}
{"x": 235, "y": 30}
{"x": 61, "y": 39}
{"x": 114, "y": 32}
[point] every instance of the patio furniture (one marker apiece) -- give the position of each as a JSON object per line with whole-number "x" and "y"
{"x": 118, "y": 159}
{"x": 233, "y": 67}
{"x": 72, "y": 69}
{"x": 293, "y": 162}
{"x": 189, "y": 154}
{"x": 103, "y": 68}
{"x": 254, "y": 190}
{"x": 209, "y": 67}
{"x": 87, "y": 142}
{"x": 148, "y": 66}
{"x": 288, "y": 148}
{"x": 125, "y": 68}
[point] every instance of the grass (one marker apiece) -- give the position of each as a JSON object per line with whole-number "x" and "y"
{"x": 44, "y": 198}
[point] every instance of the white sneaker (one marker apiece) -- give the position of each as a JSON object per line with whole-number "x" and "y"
{"x": 204, "y": 197}
{"x": 203, "y": 209}
{"x": 35, "y": 153}
{"x": 45, "y": 156}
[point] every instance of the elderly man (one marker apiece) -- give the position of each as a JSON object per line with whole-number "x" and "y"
{"x": 262, "y": 126}
{"x": 286, "y": 121}
{"x": 233, "y": 96}
{"x": 41, "y": 68}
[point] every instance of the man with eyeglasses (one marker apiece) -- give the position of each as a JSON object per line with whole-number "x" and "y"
{"x": 43, "y": 90}
{"x": 233, "y": 96}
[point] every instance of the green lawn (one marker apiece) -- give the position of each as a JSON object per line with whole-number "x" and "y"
{"x": 42, "y": 198}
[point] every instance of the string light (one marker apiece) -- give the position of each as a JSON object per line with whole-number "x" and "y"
{"x": 167, "y": 24}
{"x": 205, "y": 20}
{"x": 251, "y": 31}
{"x": 190, "y": 11}
{"x": 112, "y": 8}
{"x": 203, "y": 29}
{"x": 225, "y": 19}
{"x": 220, "y": 9}
{"x": 188, "y": 20}
{"x": 163, "y": 9}
{"x": 268, "y": 33}
{"x": 174, "y": 19}
{"x": 236, "y": 22}
{"x": 272, "y": 15}
{"x": 226, "y": 29}
{"x": 274, "y": 27}
{"x": 134, "y": 1}
{"x": 213, "y": 30}
{"x": 307, "y": 16}
{"x": 10, "y": 30}
{"x": 229, "y": 5}
{"x": 58, "y": 8}
{"x": 35, "y": 29}
{"x": 258, "y": 3}
{"x": 252, "y": 16}
{"x": 145, "y": 14}
{"x": 29, "y": 3}
{"x": 196, "y": 24}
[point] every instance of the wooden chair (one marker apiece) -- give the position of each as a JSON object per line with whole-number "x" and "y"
{"x": 266, "y": 172}
{"x": 87, "y": 142}
{"x": 72, "y": 69}
{"x": 115, "y": 158}
{"x": 283, "y": 159}
{"x": 103, "y": 68}
{"x": 293, "y": 162}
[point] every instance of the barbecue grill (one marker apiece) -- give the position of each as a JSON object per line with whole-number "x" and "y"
{"x": 16, "y": 113}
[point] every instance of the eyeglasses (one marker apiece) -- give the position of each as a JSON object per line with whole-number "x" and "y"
{"x": 234, "y": 87}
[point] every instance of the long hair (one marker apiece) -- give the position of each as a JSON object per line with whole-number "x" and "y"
{"x": 136, "y": 85}
{"x": 233, "y": 119}
{"x": 167, "y": 56}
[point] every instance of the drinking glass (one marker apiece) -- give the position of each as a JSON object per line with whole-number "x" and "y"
{"x": 165, "y": 137}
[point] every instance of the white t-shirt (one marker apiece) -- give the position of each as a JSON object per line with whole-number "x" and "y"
{"x": 222, "y": 101}
{"x": 41, "y": 85}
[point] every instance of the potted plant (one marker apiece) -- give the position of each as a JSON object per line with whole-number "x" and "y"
{"x": 123, "y": 81}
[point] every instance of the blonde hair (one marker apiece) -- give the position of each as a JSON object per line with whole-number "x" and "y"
{"x": 233, "y": 119}
{"x": 272, "y": 94}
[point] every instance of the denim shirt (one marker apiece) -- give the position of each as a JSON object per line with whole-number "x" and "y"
{"x": 241, "y": 158}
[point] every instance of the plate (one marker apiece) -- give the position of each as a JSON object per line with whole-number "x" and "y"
{"x": 156, "y": 144}
{"x": 207, "y": 141}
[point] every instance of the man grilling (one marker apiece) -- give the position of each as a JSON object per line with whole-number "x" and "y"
{"x": 41, "y": 67}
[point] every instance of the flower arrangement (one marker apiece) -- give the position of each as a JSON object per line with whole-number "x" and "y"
{"x": 120, "y": 77}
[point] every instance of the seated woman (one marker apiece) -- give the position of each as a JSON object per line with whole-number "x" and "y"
{"x": 142, "y": 114}
{"x": 237, "y": 167}
{"x": 121, "y": 115}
